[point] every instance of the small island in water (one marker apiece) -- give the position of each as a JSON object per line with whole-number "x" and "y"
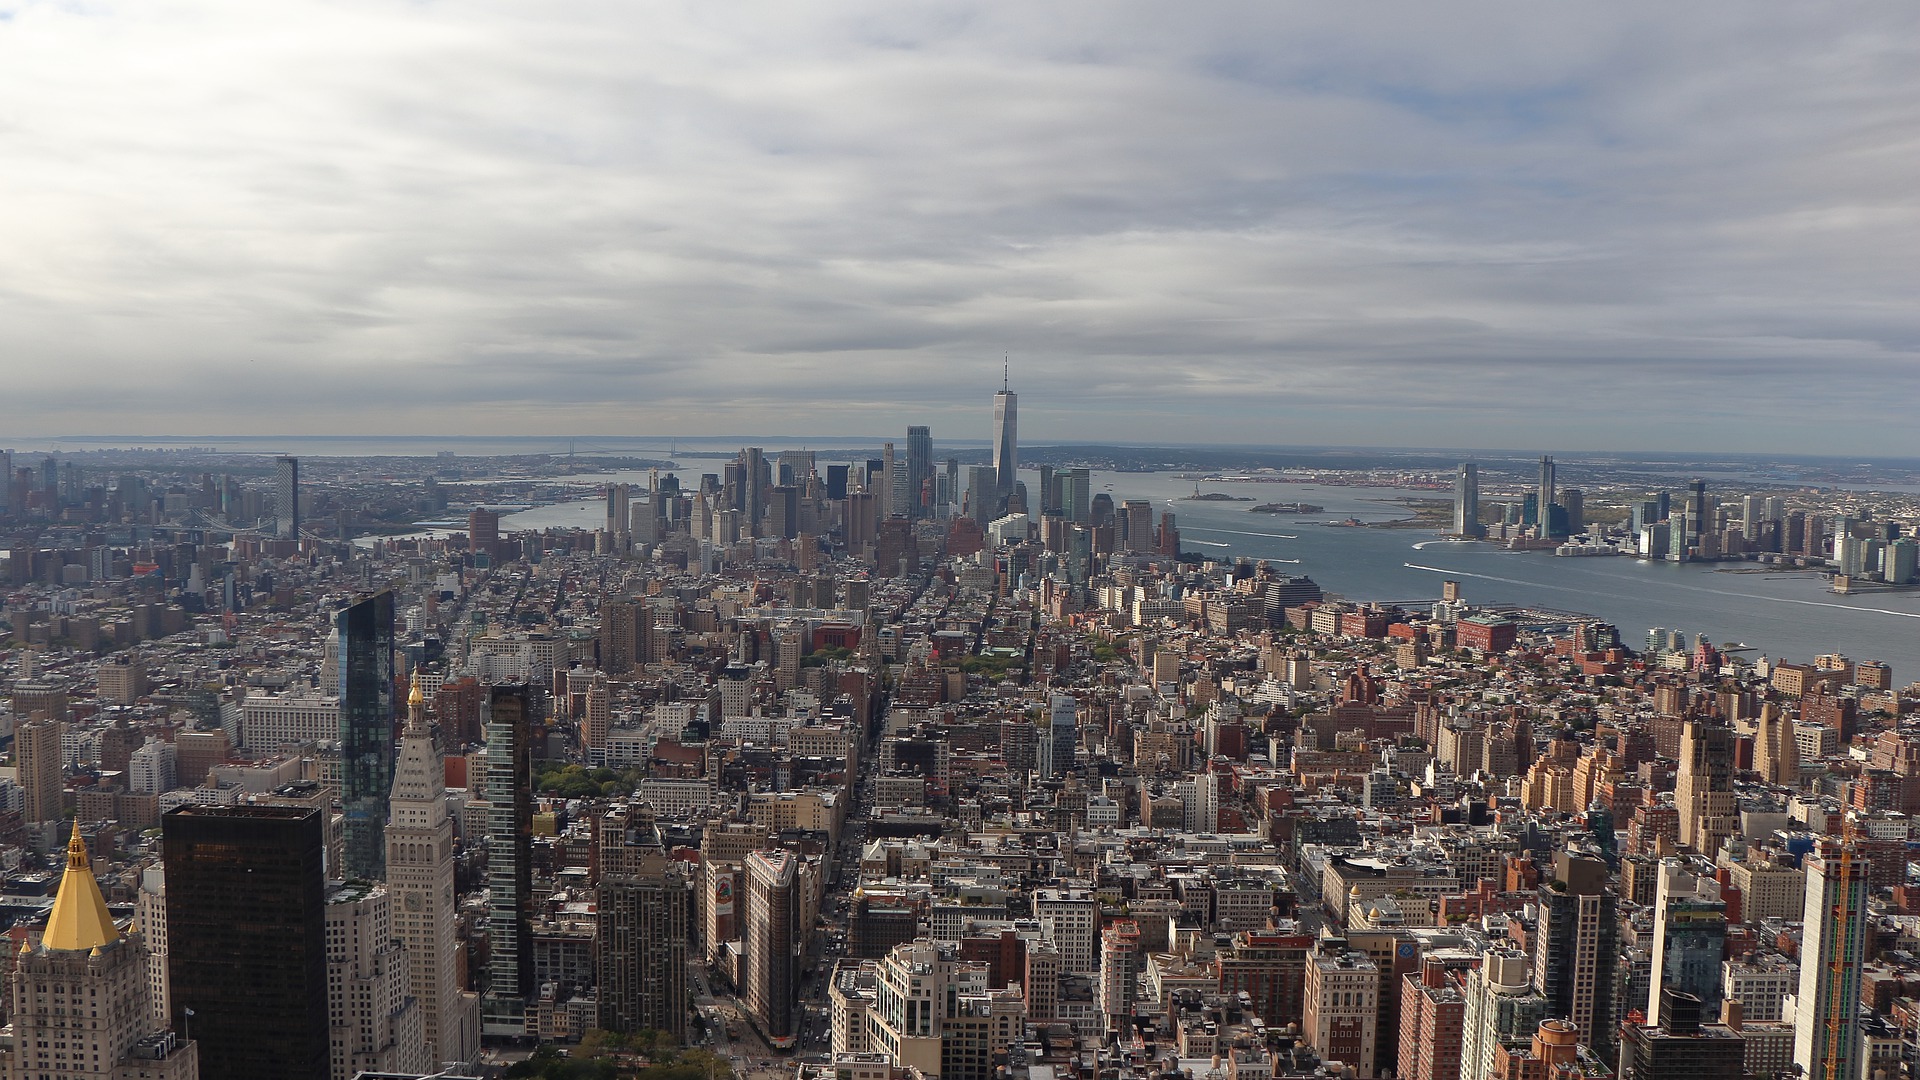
{"x": 1215, "y": 496}
{"x": 1285, "y": 508}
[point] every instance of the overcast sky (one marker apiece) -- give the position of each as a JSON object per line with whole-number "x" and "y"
{"x": 1606, "y": 225}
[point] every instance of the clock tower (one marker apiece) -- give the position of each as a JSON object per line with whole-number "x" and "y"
{"x": 420, "y": 879}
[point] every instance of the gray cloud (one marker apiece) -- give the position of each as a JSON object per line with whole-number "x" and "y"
{"x": 1622, "y": 225}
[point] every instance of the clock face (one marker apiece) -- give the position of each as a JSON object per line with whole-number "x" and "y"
{"x": 413, "y": 901}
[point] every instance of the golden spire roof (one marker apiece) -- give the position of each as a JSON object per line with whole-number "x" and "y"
{"x": 416, "y": 697}
{"x": 80, "y": 920}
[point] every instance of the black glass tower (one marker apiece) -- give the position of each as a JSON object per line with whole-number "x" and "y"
{"x": 366, "y": 731}
{"x": 246, "y": 937}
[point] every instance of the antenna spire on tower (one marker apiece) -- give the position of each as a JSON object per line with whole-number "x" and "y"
{"x": 1006, "y": 373}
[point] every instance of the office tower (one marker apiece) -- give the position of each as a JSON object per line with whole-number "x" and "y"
{"x": 919, "y": 472}
{"x": 1137, "y": 516}
{"x": 642, "y": 927}
{"x": 753, "y": 480}
{"x": 783, "y": 512}
{"x": 376, "y": 1023}
{"x": 425, "y": 908}
{"x": 857, "y": 520}
{"x": 1076, "y": 494}
{"x": 1006, "y": 441}
{"x": 1544, "y": 494}
{"x": 983, "y": 487}
{"x": 507, "y": 714}
{"x": 1574, "y": 502}
{"x": 892, "y": 484}
{"x": 246, "y": 938}
{"x": 6, "y": 481}
{"x": 1341, "y": 1011}
{"x": 837, "y": 482}
{"x": 1574, "y": 947}
{"x": 36, "y": 749}
{"x": 287, "y": 493}
{"x": 365, "y": 631}
{"x": 1689, "y": 937}
{"x": 1049, "y": 488}
{"x": 1167, "y": 540}
{"x": 1826, "y": 1015}
{"x": 953, "y": 481}
{"x": 84, "y": 961}
{"x": 1703, "y": 792}
{"x": 1466, "y": 502}
{"x": 619, "y": 510}
{"x": 770, "y": 944}
{"x": 1700, "y": 513}
{"x": 1752, "y": 512}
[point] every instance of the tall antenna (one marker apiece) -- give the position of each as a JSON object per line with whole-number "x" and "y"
{"x": 1006, "y": 374}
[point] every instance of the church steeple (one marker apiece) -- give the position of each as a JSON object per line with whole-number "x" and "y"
{"x": 80, "y": 921}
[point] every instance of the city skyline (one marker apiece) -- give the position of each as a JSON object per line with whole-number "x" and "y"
{"x": 1417, "y": 225}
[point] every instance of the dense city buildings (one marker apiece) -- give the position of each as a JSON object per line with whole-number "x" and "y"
{"x": 914, "y": 764}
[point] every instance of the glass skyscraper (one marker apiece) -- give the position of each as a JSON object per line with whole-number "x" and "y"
{"x": 365, "y": 632}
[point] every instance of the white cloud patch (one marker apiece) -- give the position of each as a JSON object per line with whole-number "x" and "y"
{"x": 1467, "y": 224}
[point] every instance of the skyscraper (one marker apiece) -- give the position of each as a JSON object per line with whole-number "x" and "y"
{"x": 507, "y": 714}
{"x": 36, "y": 747}
{"x": 642, "y": 928}
{"x": 1689, "y": 938}
{"x": 1700, "y": 513}
{"x": 1544, "y": 494}
{"x": 1057, "y": 750}
{"x": 83, "y": 956}
{"x": 1703, "y": 791}
{"x": 246, "y": 937}
{"x": 1006, "y": 439}
{"x": 769, "y": 943}
{"x": 919, "y": 472}
{"x": 754, "y": 485}
{"x": 1466, "y": 502}
{"x": 1574, "y": 948}
{"x": 365, "y": 632}
{"x": 425, "y": 908}
{"x": 892, "y": 484}
{"x": 1826, "y": 1024}
{"x": 376, "y": 1023}
{"x": 287, "y": 494}
{"x": 619, "y": 510}
{"x": 626, "y": 632}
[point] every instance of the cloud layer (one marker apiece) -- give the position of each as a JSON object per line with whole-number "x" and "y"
{"x": 1653, "y": 225}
